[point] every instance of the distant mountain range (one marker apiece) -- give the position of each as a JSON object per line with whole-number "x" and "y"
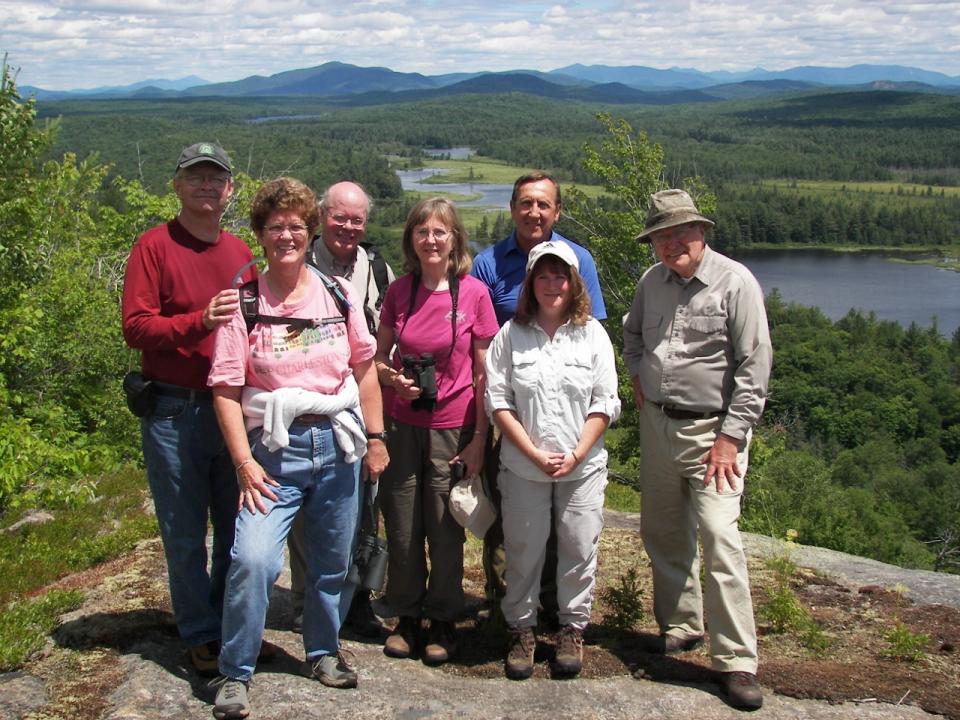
{"x": 595, "y": 83}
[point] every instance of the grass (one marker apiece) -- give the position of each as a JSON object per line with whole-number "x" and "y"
{"x": 79, "y": 536}
{"x": 25, "y": 624}
{"x": 904, "y": 645}
{"x": 896, "y": 194}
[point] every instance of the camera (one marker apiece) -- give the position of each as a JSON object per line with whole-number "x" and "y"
{"x": 422, "y": 369}
{"x": 458, "y": 471}
{"x": 369, "y": 566}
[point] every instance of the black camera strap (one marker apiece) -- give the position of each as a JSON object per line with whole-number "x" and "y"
{"x": 454, "y": 285}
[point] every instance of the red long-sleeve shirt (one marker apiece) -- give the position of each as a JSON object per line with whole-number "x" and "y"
{"x": 171, "y": 277}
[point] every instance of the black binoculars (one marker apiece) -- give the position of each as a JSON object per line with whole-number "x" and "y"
{"x": 423, "y": 370}
{"x": 369, "y": 568}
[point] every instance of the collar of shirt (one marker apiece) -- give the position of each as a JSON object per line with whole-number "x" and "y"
{"x": 705, "y": 272}
{"x": 325, "y": 259}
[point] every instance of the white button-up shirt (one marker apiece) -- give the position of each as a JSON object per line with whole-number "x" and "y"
{"x": 552, "y": 386}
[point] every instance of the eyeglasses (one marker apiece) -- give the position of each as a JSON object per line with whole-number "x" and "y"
{"x": 196, "y": 180}
{"x": 438, "y": 234}
{"x": 294, "y": 230}
{"x": 343, "y": 220}
{"x": 681, "y": 233}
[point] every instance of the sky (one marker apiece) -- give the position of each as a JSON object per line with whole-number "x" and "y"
{"x": 92, "y": 43}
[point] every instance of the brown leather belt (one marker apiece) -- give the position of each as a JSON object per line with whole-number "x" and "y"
{"x": 675, "y": 413}
{"x": 309, "y": 419}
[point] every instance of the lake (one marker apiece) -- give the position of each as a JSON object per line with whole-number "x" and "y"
{"x": 835, "y": 282}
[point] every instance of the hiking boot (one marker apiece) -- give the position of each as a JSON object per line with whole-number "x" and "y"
{"x": 402, "y": 642}
{"x": 205, "y": 657}
{"x": 361, "y": 619}
{"x": 569, "y": 658}
{"x": 673, "y": 644}
{"x": 742, "y": 689}
{"x": 336, "y": 671}
{"x": 519, "y": 663}
{"x": 441, "y": 642}
{"x": 231, "y": 702}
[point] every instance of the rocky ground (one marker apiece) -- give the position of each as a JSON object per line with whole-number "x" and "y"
{"x": 118, "y": 656}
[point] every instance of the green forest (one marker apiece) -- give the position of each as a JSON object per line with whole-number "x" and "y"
{"x": 859, "y": 447}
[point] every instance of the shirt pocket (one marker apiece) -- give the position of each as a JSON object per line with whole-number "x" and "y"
{"x": 525, "y": 371}
{"x": 577, "y": 379}
{"x": 707, "y": 324}
{"x": 706, "y": 335}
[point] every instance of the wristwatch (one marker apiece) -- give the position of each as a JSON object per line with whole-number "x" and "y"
{"x": 382, "y": 435}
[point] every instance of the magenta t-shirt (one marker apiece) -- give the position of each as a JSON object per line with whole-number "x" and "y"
{"x": 273, "y": 356}
{"x": 428, "y": 330}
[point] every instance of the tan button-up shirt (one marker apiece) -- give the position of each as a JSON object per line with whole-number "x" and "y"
{"x": 701, "y": 344}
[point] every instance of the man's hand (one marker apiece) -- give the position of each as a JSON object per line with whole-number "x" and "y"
{"x": 637, "y": 392}
{"x": 376, "y": 460}
{"x": 721, "y": 462}
{"x": 221, "y": 308}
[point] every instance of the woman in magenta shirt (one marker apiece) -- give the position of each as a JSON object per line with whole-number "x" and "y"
{"x": 435, "y": 326}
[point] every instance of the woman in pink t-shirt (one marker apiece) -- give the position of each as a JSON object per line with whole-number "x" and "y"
{"x": 435, "y": 326}
{"x": 296, "y": 397}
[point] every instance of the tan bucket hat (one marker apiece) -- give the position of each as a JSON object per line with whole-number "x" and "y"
{"x": 669, "y": 208}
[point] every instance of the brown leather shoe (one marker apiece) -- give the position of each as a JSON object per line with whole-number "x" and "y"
{"x": 673, "y": 644}
{"x": 403, "y": 640}
{"x": 519, "y": 662}
{"x": 205, "y": 658}
{"x": 569, "y": 658}
{"x": 742, "y": 689}
{"x": 441, "y": 642}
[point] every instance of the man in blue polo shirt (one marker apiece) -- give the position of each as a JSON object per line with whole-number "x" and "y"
{"x": 535, "y": 208}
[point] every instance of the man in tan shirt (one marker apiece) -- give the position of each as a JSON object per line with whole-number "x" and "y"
{"x": 698, "y": 350}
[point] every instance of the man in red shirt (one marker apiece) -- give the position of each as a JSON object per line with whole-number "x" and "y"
{"x": 177, "y": 290}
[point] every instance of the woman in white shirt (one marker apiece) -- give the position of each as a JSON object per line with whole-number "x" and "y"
{"x": 552, "y": 391}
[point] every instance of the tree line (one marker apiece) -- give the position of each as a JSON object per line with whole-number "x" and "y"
{"x": 860, "y": 444}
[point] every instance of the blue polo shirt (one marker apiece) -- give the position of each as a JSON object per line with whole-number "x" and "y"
{"x": 503, "y": 266}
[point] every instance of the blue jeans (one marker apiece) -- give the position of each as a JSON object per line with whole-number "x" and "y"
{"x": 192, "y": 482}
{"x": 313, "y": 474}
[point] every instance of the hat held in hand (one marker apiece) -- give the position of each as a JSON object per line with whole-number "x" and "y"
{"x": 471, "y": 507}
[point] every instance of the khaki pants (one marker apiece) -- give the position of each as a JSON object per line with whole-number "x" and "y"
{"x": 414, "y": 495}
{"x": 675, "y": 505}
{"x": 494, "y": 556}
{"x": 527, "y": 507}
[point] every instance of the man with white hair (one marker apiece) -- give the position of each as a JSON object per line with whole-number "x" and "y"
{"x": 698, "y": 350}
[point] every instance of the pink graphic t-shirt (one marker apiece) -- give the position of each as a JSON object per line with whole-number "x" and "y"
{"x": 429, "y": 330}
{"x": 275, "y": 356}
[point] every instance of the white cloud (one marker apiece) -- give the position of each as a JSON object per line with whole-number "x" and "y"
{"x": 87, "y": 43}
